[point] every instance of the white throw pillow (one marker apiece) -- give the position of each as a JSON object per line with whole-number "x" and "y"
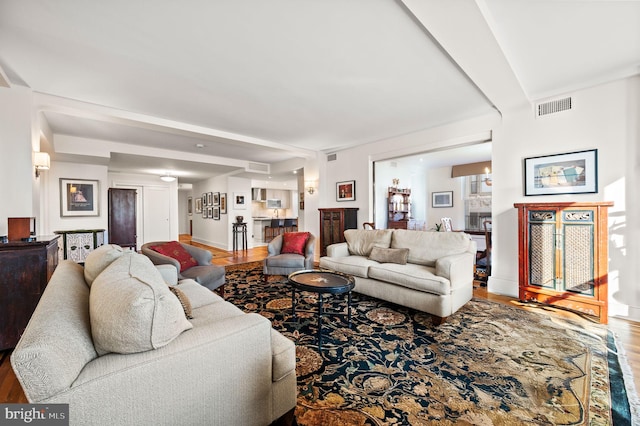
{"x": 99, "y": 259}
{"x": 132, "y": 309}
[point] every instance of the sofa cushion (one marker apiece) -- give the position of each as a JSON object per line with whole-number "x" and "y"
{"x": 132, "y": 309}
{"x": 425, "y": 247}
{"x": 361, "y": 241}
{"x": 294, "y": 242}
{"x": 352, "y": 265}
{"x": 287, "y": 260}
{"x": 197, "y": 294}
{"x": 388, "y": 255}
{"x": 417, "y": 277}
{"x": 99, "y": 259}
{"x": 174, "y": 250}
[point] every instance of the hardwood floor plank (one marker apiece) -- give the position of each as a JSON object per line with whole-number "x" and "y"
{"x": 627, "y": 332}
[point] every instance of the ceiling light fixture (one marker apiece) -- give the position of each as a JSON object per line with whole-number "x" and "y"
{"x": 168, "y": 177}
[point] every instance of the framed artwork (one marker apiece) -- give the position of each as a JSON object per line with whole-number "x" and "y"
{"x": 446, "y": 224}
{"x": 205, "y": 212}
{"x": 210, "y": 212}
{"x": 346, "y": 191}
{"x": 442, "y": 199}
{"x": 198, "y": 205}
{"x": 204, "y": 200}
{"x": 79, "y": 197}
{"x": 239, "y": 200}
{"x": 216, "y": 212}
{"x": 216, "y": 198}
{"x": 223, "y": 203}
{"x": 570, "y": 173}
{"x": 190, "y": 206}
{"x": 209, "y": 198}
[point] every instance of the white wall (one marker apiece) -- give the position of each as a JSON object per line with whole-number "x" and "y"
{"x": 605, "y": 117}
{"x": 439, "y": 180}
{"x": 51, "y": 196}
{"x": 18, "y": 185}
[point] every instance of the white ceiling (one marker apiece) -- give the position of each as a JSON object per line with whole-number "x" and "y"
{"x": 267, "y": 82}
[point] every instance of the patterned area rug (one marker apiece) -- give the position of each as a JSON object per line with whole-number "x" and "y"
{"x": 489, "y": 364}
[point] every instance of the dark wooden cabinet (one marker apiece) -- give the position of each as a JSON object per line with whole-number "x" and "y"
{"x": 25, "y": 270}
{"x": 333, "y": 223}
{"x": 563, "y": 255}
{"x": 122, "y": 217}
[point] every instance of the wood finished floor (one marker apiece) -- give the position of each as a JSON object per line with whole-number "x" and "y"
{"x": 628, "y": 332}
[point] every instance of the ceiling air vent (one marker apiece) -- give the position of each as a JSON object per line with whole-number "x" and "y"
{"x": 258, "y": 167}
{"x": 332, "y": 157}
{"x": 552, "y": 107}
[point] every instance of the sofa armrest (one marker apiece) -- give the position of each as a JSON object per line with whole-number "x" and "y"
{"x": 202, "y": 256}
{"x": 160, "y": 259}
{"x": 219, "y": 367}
{"x": 169, "y": 274}
{"x": 457, "y": 268}
{"x": 338, "y": 250}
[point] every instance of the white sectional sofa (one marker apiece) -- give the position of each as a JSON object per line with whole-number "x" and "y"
{"x": 428, "y": 271}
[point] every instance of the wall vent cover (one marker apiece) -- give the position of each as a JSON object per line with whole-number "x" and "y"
{"x": 552, "y": 107}
{"x": 332, "y": 157}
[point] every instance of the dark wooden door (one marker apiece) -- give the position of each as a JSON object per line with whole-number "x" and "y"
{"x": 122, "y": 217}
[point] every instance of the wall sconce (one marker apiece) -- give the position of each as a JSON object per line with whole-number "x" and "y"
{"x": 41, "y": 161}
{"x": 487, "y": 180}
{"x": 310, "y": 186}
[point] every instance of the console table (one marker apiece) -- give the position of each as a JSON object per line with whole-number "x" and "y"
{"x": 25, "y": 269}
{"x": 77, "y": 244}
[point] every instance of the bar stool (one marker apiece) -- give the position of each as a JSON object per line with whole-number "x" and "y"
{"x": 290, "y": 225}
{"x": 273, "y": 230}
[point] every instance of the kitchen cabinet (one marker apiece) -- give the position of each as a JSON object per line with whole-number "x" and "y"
{"x": 280, "y": 194}
{"x": 563, "y": 255}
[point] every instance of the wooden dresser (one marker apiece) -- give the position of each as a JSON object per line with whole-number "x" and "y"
{"x": 25, "y": 269}
{"x": 563, "y": 255}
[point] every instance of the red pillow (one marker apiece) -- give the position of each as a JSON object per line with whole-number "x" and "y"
{"x": 294, "y": 242}
{"x": 175, "y": 250}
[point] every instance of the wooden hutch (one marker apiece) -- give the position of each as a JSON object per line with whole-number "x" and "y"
{"x": 333, "y": 223}
{"x": 399, "y": 208}
{"x": 563, "y": 255}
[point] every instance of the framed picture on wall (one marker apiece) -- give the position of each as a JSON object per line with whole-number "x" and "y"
{"x": 346, "y": 191}
{"x": 190, "y": 206}
{"x": 239, "y": 200}
{"x": 209, "y": 198}
{"x": 442, "y": 199}
{"x": 216, "y": 198}
{"x": 223, "y": 203}
{"x": 79, "y": 197}
{"x": 570, "y": 173}
{"x": 199, "y": 205}
{"x": 210, "y": 212}
{"x": 216, "y": 213}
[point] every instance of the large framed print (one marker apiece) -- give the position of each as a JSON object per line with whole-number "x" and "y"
{"x": 79, "y": 197}
{"x": 240, "y": 200}
{"x": 570, "y": 173}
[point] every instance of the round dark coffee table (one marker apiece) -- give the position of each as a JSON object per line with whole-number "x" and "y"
{"x": 322, "y": 282}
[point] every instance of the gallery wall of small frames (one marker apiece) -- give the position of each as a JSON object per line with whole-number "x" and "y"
{"x": 211, "y": 205}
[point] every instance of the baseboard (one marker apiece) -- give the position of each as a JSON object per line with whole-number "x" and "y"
{"x": 209, "y": 243}
{"x": 503, "y": 287}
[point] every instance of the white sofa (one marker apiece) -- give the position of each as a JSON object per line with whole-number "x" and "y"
{"x": 221, "y": 367}
{"x": 428, "y": 271}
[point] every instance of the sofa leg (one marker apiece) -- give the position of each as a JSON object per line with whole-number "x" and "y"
{"x": 436, "y": 320}
{"x": 287, "y": 419}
